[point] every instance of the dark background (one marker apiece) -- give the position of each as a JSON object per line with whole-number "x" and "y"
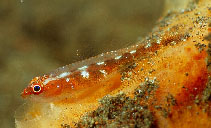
{"x": 38, "y": 36}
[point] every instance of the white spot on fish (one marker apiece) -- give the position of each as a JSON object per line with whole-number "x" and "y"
{"x": 134, "y": 51}
{"x": 103, "y": 72}
{"x": 67, "y": 79}
{"x": 85, "y": 74}
{"x": 148, "y": 45}
{"x": 158, "y": 41}
{"x": 83, "y": 68}
{"x": 100, "y": 63}
{"x": 48, "y": 80}
{"x": 64, "y": 74}
{"x": 118, "y": 57}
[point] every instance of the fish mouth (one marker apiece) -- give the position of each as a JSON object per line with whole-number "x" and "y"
{"x": 23, "y": 95}
{"x": 26, "y": 92}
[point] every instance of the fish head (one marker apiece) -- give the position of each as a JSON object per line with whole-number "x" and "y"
{"x": 35, "y": 87}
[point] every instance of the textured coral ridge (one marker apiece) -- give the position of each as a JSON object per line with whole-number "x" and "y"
{"x": 174, "y": 57}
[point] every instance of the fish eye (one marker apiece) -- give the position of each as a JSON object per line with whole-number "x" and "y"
{"x": 36, "y": 88}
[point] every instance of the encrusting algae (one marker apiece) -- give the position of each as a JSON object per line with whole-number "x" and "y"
{"x": 123, "y": 111}
{"x": 163, "y": 81}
